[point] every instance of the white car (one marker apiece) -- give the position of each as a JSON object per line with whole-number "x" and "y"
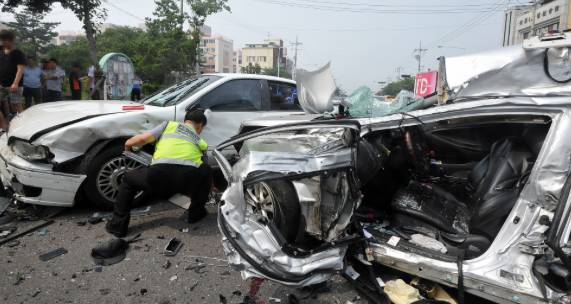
{"x": 56, "y": 151}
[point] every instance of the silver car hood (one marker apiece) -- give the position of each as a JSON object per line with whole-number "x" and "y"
{"x": 47, "y": 116}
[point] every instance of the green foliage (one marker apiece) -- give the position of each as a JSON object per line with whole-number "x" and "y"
{"x": 393, "y": 88}
{"x": 34, "y": 35}
{"x": 252, "y": 69}
{"x": 274, "y": 72}
{"x": 167, "y": 47}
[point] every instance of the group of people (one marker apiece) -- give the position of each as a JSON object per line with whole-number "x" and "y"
{"x": 24, "y": 82}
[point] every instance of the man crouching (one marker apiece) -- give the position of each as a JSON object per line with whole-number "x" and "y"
{"x": 177, "y": 167}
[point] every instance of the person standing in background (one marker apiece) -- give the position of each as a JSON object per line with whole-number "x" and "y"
{"x": 12, "y": 62}
{"x": 32, "y": 83}
{"x": 44, "y": 66}
{"x": 136, "y": 90}
{"x": 54, "y": 81}
{"x": 75, "y": 82}
{"x": 91, "y": 77}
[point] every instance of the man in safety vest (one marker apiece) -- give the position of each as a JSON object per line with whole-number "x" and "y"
{"x": 177, "y": 167}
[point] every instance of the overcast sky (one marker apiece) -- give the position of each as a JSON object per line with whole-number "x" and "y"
{"x": 366, "y": 40}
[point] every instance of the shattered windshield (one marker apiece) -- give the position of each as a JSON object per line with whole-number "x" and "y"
{"x": 180, "y": 91}
{"x": 363, "y": 104}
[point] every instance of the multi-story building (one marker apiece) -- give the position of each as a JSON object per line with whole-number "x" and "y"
{"x": 267, "y": 55}
{"x": 237, "y": 62}
{"x": 66, "y": 37}
{"x": 217, "y": 54}
{"x": 521, "y": 22}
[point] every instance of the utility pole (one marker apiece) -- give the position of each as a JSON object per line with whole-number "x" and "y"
{"x": 295, "y": 46}
{"x": 182, "y": 15}
{"x": 420, "y": 52}
{"x": 399, "y": 70}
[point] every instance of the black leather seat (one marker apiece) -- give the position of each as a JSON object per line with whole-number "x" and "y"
{"x": 493, "y": 190}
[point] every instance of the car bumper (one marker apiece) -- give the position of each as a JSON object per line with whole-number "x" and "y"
{"x": 35, "y": 183}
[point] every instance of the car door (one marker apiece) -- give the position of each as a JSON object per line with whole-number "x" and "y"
{"x": 227, "y": 105}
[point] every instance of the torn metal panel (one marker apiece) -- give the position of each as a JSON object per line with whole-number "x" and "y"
{"x": 316, "y": 90}
{"x": 505, "y": 72}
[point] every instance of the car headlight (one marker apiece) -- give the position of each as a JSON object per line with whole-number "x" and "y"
{"x": 30, "y": 152}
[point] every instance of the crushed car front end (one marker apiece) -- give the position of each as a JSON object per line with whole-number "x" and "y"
{"x": 265, "y": 235}
{"x": 26, "y": 170}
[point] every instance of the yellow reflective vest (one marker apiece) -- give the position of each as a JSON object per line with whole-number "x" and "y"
{"x": 180, "y": 145}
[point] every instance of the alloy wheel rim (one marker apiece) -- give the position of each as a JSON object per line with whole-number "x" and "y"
{"x": 111, "y": 175}
{"x": 260, "y": 199}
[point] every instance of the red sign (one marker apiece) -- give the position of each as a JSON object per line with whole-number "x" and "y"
{"x": 425, "y": 84}
{"x": 133, "y": 107}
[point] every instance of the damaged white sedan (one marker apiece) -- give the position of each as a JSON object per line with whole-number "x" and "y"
{"x": 56, "y": 152}
{"x": 472, "y": 194}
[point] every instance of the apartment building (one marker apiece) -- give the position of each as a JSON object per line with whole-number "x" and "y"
{"x": 524, "y": 21}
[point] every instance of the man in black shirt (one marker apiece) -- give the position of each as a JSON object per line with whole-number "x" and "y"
{"x": 12, "y": 62}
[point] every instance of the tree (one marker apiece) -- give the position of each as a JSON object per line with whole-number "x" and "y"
{"x": 89, "y": 12}
{"x": 169, "y": 47}
{"x": 201, "y": 9}
{"x": 252, "y": 69}
{"x": 274, "y": 72}
{"x": 394, "y": 88}
{"x": 34, "y": 35}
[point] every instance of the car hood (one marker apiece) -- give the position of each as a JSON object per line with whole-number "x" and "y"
{"x": 48, "y": 116}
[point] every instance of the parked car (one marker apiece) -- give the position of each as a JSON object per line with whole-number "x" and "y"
{"x": 56, "y": 151}
{"x": 474, "y": 193}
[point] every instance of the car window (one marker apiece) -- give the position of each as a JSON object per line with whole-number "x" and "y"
{"x": 180, "y": 91}
{"x": 283, "y": 96}
{"x": 234, "y": 96}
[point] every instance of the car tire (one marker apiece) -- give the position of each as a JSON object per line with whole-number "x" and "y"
{"x": 287, "y": 211}
{"x": 104, "y": 175}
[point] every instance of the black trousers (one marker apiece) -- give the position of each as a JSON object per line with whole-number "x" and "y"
{"x": 52, "y": 96}
{"x": 162, "y": 180}
{"x": 33, "y": 96}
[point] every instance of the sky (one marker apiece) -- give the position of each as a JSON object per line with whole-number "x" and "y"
{"x": 366, "y": 41}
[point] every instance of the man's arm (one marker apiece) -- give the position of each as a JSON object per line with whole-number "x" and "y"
{"x": 19, "y": 75}
{"x": 139, "y": 140}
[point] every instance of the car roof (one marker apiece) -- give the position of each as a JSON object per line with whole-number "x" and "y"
{"x": 251, "y": 76}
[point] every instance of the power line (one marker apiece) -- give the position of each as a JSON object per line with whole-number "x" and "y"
{"x": 365, "y": 10}
{"x": 124, "y": 11}
{"x": 355, "y": 4}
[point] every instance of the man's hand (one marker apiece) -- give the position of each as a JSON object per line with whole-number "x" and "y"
{"x": 14, "y": 88}
{"x": 139, "y": 140}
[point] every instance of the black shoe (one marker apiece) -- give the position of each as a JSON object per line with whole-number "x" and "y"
{"x": 114, "y": 231}
{"x": 194, "y": 216}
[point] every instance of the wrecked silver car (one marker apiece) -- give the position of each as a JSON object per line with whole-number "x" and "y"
{"x": 473, "y": 194}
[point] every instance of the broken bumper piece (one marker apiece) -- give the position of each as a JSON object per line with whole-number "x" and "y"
{"x": 36, "y": 183}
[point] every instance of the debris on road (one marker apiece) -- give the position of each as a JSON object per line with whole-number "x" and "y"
{"x": 100, "y": 216}
{"x": 222, "y": 299}
{"x": 43, "y": 232}
{"x": 52, "y": 254}
{"x": 173, "y": 278}
{"x": 6, "y": 231}
{"x": 26, "y": 231}
{"x": 143, "y": 291}
{"x": 167, "y": 265}
{"x": 401, "y": 293}
{"x": 172, "y": 247}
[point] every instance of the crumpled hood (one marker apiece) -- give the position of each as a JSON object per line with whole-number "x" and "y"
{"x": 51, "y": 115}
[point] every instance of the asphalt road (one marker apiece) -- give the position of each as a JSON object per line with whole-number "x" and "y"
{"x": 146, "y": 275}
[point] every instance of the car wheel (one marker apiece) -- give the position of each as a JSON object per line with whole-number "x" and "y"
{"x": 104, "y": 175}
{"x": 277, "y": 202}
